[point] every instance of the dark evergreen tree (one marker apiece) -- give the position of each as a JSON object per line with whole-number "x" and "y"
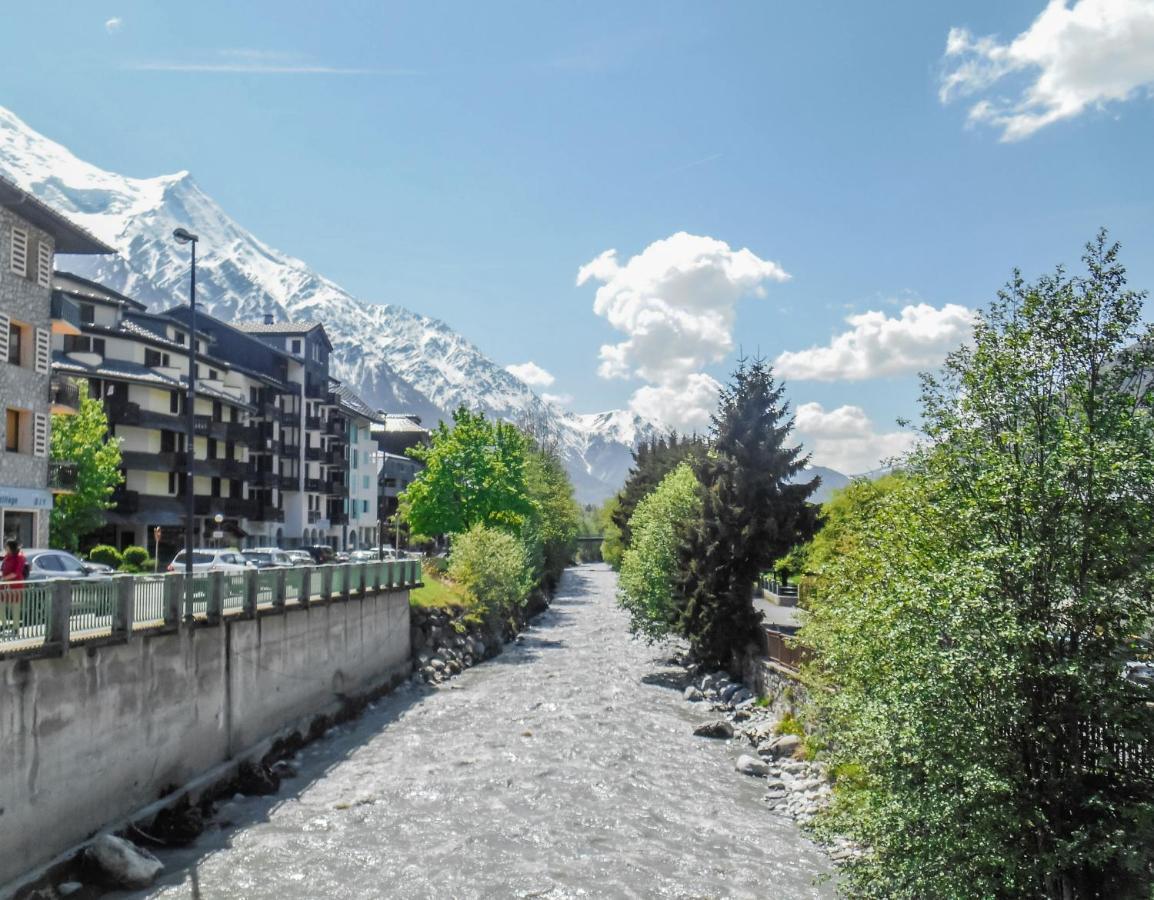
{"x": 752, "y": 514}
{"x": 652, "y": 461}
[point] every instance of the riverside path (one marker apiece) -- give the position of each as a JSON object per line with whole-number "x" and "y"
{"x": 566, "y": 767}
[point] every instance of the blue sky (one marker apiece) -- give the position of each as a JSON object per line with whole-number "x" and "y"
{"x": 466, "y": 160}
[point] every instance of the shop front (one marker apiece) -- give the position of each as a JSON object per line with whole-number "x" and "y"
{"x": 24, "y": 515}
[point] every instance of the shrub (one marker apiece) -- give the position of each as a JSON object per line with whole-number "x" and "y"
{"x": 493, "y": 566}
{"x": 106, "y": 555}
{"x": 789, "y": 724}
{"x": 137, "y": 557}
{"x": 649, "y": 565}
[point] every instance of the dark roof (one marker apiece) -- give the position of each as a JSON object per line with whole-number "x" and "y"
{"x": 69, "y": 237}
{"x": 348, "y": 400}
{"x": 124, "y": 370}
{"x": 286, "y": 328}
{"x": 77, "y": 286}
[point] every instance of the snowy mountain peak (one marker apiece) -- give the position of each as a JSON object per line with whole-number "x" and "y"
{"x": 396, "y": 359}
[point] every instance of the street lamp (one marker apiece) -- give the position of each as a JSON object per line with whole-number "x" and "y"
{"x": 218, "y": 519}
{"x": 184, "y": 236}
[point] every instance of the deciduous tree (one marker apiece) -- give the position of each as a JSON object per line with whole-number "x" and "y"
{"x": 82, "y": 440}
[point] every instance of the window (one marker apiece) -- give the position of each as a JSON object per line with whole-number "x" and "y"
{"x": 82, "y": 343}
{"x": 87, "y": 313}
{"x": 179, "y": 337}
{"x": 43, "y": 264}
{"x": 15, "y": 335}
{"x": 365, "y": 482}
{"x": 212, "y": 448}
{"x": 296, "y": 346}
{"x": 215, "y": 487}
{"x": 12, "y": 419}
{"x": 18, "y": 252}
{"x": 365, "y": 507}
{"x": 174, "y": 402}
{"x": 168, "y": 445}
{"x": 154, "y": 358}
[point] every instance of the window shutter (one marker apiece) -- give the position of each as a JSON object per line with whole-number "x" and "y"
{"x": 43, "y": 264}
{"x": 40, "y": 435}
{"x": 4, "y": 323}
{"x": 18, "y": 259}
{"x": 43, "y": 350}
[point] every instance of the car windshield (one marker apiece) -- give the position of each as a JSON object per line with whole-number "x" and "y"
{"x": 262, "y": 557}
{"x": 198, "y": 559}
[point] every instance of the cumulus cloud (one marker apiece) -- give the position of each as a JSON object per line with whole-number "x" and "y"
{"x": 846, "y": 440}
{"x": 531, "y": 373}
{"x": 1072, "y": 58}
{"x": 676, "y": 303}
{"x": 876, "y": 344}
{"x": 113, "y": 25}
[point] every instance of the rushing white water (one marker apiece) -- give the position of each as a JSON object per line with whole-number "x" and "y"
{"x": 565, "y": 767}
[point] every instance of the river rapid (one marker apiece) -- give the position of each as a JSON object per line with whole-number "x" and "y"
{"x": 566, "y": 767}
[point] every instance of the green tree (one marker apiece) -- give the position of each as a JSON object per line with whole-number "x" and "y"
{"x": 652, "y": 461}
{"x": 978, "y": 628}
{"x": 752, "y": 514}
{"x": 474, "y": 474}
{"x": 493, "y": 565}
{"x": 82, "y": 440}
{"x": 551, "y": 529}
{"x": 612, "y": 546}
{"x": 646, "y": 587}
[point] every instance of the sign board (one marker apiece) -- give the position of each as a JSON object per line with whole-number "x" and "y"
{"x": 24, "y": 498}
{"x": 217, "y": 535}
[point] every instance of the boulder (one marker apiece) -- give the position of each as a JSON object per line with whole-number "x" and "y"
{"x": 68, "y": 888}
{"x": 122, "y": 863}
{"x": 729, "y": 690}
{"x": 717, "y": 729}
{"x": 437, "y": 663}
{"x": 256, "y": 780}
{"x": 751, "y": 765}
{"x": 178, "y": 825}
{"x": 784, "y": 746}
{"x": 693, "y": 695}
{"x": 741, "y": 695}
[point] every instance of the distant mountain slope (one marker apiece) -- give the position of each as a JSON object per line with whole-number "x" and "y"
{"x": 396, "y": 359}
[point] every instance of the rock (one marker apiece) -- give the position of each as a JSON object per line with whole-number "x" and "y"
{"x": 256, "y": 780}
{"x": 713, "y": 680}
{"x": 417, "y": 638}
{"x": 751, "y": 765}
{"x": 437, "y": 663}
{"x": 785, "y": 746}
{"x": 284, "y": 769}
{"x": 178, "y": 825}
{"x": 122, "y": 862}
{"x": 693, "y": 695}
{"x": 729, "y": 690}
{"x": 717, "y": 729}
{"x": 742, "y": 715}
{"x": 67, "y": 888}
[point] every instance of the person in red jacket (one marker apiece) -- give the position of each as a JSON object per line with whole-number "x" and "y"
{"x": 12, "y": 573}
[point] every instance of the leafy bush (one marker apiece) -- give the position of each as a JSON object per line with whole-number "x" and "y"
{"x": 137, "y": 557}
{"x": 648, "y": 567}
{"x": 493, "y": 566}
{"x": 789, "y": 724}
{"x": 106, "y": 555}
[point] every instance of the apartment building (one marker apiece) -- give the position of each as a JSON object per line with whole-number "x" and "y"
{"x": 31, "y": 234}
{"x": 393, "y": 435}
{"x": 360, "y": 504}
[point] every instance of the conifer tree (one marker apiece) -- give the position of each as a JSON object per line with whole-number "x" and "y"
{"x": 752, "y": 513}
{"x": 652, "y": 461}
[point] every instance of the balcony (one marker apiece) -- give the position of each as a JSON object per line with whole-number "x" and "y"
{"x": 313, "y": 423}
{"x": 335, "y": 456}
{"x": 336, "y": 425}
{"x": 62, "y": 477}
{"x": 263, "y": 477}
{"x": 229, "y": 507}
{"x": 121, "y": 412}
{"x": 337, "y": 486}
{"x": 316, "y": 390}
{"x": 338, "y": 518}
{"x": 314, "y": 454}
{"x": 266, "y": 513}
{"x": 314, "y": 516}
{"x": 290, "y": 450}
{"x": 65, "y": 315}
{"x": 289, "y": 418}
{"x": 315, "y": 485}
{"x": 64, "y": 395}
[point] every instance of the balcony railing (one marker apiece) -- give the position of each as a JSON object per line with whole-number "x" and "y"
{"x": 65, "y": 315}
{"x": 336, "y": 425}
{"x": 313, "y": 423}
{"x": 64, "y": 395}
{"x": 314, "y": 484}
{"x": 62, "y": 477}
{"x": 314, "y": 454}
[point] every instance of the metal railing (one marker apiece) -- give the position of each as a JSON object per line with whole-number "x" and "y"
{"x": 62, "y": 477}
{"x": 48, "y": 616}
{"x": 63, "y": 394}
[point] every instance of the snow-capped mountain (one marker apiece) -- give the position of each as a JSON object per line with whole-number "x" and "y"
{"x": 398, "y": 360}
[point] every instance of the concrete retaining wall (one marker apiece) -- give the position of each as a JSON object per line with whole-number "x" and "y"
{"x": 89, "y": 737}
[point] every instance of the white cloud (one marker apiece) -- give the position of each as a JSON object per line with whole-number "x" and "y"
{"x": 845, "y": 439}
{"x": 1073, "y": 57}
{"x": 878, "y": 345}
{"x": 114, "y": 24}
{"x": 676, "y": 303}
{"x": 531, "y": 373}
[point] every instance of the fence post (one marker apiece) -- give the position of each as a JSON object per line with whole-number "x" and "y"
{"x": 278, "y": 588}
{"x": 215, "y": 596}
{"x": 251, "y": 587}
{"x": 327, "y": 584}
{"x": 305, "y": 589}
{"x": 59, "y": 617}
{"x": 124, "y": 614}
{"x": 173, "y": 593}
{"x": 376, "y": 577}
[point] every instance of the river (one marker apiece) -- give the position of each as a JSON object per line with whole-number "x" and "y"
{"x": 566, "y": 767}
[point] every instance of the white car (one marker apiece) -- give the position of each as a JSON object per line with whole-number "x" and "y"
{"x": 300, "y": 557}
{"x": 209, "y": 559}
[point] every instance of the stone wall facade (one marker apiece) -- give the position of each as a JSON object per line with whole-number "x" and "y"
{"x": 26, "y": 303}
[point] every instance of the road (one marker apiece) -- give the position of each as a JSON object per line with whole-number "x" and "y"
{"x": 566, "y": 767}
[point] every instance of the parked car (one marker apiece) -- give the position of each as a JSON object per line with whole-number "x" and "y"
{"x": 211, "y": 559}
{"x": 340, "y": 556}
{"x": 360, "y": 556}
{"x": 265, "y": 558}
{"x": 47, "y": 563}
{"x": 321, "y": 553}
{"x": 300, "y": 557}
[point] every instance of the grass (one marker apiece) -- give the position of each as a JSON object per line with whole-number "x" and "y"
{"x": 436, "y": 593}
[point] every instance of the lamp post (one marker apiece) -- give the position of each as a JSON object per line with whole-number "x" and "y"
{"x": 184, "y": 236}
{"x": 217, "y": 520}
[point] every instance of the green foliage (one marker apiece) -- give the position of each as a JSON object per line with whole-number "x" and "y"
{"x": 613, "y": 546}
{"x": 652, "y": 461}
{"x": 751, "y": 514}
{"x": 474, "y": 475}
{"x": 82, "y": 440}
{"x": 646, "y": 587}
{"x": 789, "y": 724}
{"x": 106, "y": 555}
{"x": 437, "y": 592}
{"x": 136, "y": 556}
{"x": 494, "y": 567}
{"x": 550, "y": 531}
{"x": 975, "y": 625}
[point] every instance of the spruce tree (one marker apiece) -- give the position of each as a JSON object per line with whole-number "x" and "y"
{"x": 652, "y": 461}
{"x": 752, "y": 514}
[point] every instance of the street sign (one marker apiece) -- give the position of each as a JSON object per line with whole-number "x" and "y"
{"x": 217, "y": 535}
